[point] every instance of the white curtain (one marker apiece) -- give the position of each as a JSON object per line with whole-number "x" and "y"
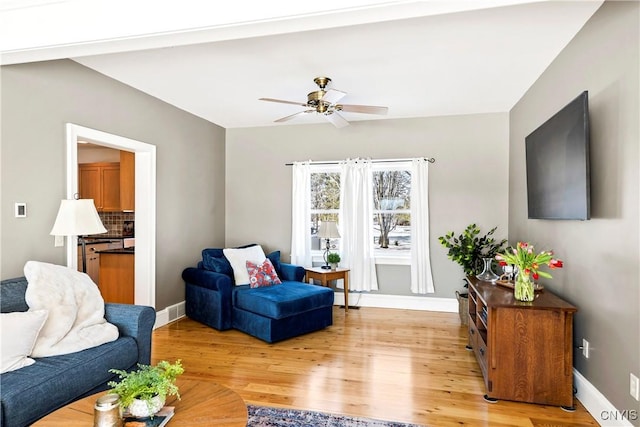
{"x": 301, "y": 214}
{"x": 356, "y": 215}
{"x": 421, "y": 278}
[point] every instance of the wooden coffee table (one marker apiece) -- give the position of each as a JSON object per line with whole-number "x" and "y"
{"x": 202, "y": 404}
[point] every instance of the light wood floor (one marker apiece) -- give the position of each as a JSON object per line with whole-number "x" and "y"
{"x": 401, "y": 365}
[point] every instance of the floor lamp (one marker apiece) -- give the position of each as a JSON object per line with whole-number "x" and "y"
{"x": 78, "y": 217}
{"x": 328, "y": 230}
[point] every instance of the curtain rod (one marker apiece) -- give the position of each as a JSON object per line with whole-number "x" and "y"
{"x": 336, "y": 162}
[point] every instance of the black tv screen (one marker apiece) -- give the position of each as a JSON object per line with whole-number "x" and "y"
{"x": 557, "y": 162}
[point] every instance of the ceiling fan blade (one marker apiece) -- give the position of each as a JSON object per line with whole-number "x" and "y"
{"x": 367, "y": 109}
{"x": 337, "y": 120}
{"x": 332, "y": 96}
{"x": 283, "y": 102}
{"x": 287, "y": 118}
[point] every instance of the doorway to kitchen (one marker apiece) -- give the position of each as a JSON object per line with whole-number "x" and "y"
{"x": 145, "y": 202}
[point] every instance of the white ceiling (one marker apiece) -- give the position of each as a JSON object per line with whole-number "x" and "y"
{"x": 426, "y": 58}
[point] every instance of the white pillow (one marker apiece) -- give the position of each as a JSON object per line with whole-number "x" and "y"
{"x": 238, "y": 259}
{"x": 19, "y": 332}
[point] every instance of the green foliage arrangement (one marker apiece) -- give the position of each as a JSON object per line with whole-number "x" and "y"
{"x": 468, "y": 248}
{"x": 333, "y": 258}
{"x": 147, "y": 382}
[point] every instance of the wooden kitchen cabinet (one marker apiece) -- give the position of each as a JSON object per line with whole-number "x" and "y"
{"x": 127, "y": 181}
{"x": 93, "y": 257}
{"x": 524, "y": 349}
{"x": 117, "y": 278}
{"x": 100, "y": 182}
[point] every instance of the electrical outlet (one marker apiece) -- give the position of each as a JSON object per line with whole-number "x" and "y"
{"x": 585, "y": 348}
{"x": 634, "y": 387}
{"x": 58, "y": 241}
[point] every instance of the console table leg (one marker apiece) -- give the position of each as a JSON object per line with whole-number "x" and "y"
{"x": 489, "y": 399}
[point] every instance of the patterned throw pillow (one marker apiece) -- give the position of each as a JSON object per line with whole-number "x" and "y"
{"x": 262, "y": 275}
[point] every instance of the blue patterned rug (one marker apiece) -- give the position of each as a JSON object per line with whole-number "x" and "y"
{"x": 261, "y": 416}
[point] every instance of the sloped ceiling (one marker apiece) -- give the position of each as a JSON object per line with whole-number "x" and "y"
{"x": 418, "y": 58}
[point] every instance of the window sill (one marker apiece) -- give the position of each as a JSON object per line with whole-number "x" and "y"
{"x": 389, "y": 260}
{"x": 380, "y": 260}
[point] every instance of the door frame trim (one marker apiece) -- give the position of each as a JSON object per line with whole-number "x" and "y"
{"x": 145, "y": 202}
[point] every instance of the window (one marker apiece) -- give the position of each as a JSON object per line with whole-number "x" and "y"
{"x": 392, "y": 214}
{"x": 325, "y": 203}
{"x": 392, "y": 204}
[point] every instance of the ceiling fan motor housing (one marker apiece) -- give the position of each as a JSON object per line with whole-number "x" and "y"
{"x": 314, "y": 99}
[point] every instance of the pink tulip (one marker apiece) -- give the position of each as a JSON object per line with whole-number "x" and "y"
{"x": 555, "y": 263}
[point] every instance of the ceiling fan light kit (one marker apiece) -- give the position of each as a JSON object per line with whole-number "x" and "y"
{"x": 325, "y": 102}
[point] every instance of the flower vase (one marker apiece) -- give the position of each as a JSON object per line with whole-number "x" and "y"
{"x": 523, "y": 289}
{"x": 487, "y": 273}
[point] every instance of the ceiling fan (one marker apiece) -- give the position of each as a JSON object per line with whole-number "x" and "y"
{"x": 324, "y": 101}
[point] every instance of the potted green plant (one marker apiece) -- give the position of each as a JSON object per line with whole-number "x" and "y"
{"x": 333, "y": 259}
{"x": 469, "y": 249}
{"x": 143, "y": 392}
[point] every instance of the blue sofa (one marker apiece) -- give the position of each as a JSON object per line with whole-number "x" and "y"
{"x": 271, "y": 313}
{"x": 32, "y": 392}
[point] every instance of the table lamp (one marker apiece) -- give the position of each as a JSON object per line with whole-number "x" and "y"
{"x": 328, "y": 230}
{"x": 78, "y": 217}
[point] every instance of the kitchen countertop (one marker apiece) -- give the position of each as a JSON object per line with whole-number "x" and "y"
{"x": 107, "y": 237}
{"x": 125, "y": 251}
{"x": 103, "y": 239}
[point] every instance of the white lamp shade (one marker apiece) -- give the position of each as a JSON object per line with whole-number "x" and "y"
{"x": 328, "y": 230}
{"x": 77, "y": 218}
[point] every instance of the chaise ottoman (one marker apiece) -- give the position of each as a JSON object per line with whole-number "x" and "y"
{"x": 283, "y": 311}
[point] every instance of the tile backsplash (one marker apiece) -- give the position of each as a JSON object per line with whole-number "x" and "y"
{"x": 113, "y": 222}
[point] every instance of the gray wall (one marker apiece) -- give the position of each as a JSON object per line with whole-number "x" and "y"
{"x": 601, "y": 255}
{"x": 39, "y": 98}
{"x": 467, "y": 183}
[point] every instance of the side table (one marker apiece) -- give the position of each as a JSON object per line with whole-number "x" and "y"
{"x": 326, "y": 275}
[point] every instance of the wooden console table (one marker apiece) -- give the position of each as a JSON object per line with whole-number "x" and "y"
{"x": 202, "y": 403}
{"x": 326, "y": 275}
{"x": 524, "y": 349}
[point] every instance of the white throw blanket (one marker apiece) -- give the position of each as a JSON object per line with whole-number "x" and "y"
{"x": 76, "y": 309}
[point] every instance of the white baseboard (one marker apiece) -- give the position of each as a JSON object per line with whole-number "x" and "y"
{"x": 598, "y": 406}
{"x": 407, "y": 302}
{"x": 169, "y": 314}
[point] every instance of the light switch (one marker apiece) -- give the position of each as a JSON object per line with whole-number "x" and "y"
{"x": 21, "y": 210}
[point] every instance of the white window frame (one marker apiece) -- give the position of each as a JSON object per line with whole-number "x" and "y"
{"x": 381, "y": 259}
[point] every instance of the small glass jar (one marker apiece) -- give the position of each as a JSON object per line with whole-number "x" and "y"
{"x": 106, "y": 412}
{"x": 487, "y": 273}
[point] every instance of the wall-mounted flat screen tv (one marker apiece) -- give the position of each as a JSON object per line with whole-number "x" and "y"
{"x": 557, "y": 162}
